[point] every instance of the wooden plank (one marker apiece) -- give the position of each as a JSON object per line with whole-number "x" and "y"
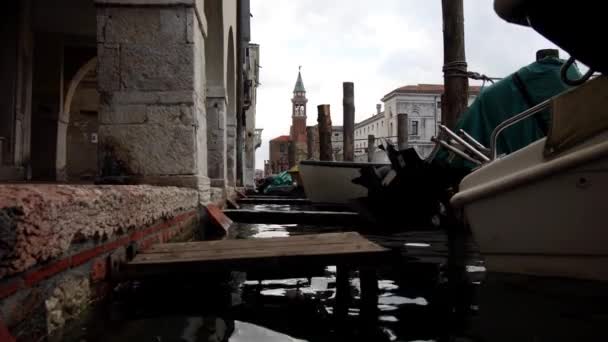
{"x": 255, "y": 254}
{"x": 346, "y": 237}
{"x": 267, "y": 252}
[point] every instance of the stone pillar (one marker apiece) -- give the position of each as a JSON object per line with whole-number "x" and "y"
{"x": 402, "y": 131}
{"x": 231, "y": 146}
{"x": 216, "y": 136}
{"x": 151, "y": 81}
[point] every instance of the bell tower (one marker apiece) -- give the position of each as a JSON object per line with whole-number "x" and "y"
{"x": 298, "y": 119}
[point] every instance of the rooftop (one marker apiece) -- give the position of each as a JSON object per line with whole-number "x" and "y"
{"x": 282, "y": 138}
{"x": 425, "y": 89}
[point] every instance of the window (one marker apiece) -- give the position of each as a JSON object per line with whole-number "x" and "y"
{"x": 382, "y": 123}
{"x": 282, "y": 148}
{"x": 414, "y": 127}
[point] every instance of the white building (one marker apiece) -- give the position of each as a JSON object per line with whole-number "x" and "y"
{"x": 422, "y": 104}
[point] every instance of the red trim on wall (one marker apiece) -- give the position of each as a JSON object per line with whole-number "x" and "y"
{"x": 167, "y": 230}
{"x": 48, "y": 271}
{"x": 10, "y": 287}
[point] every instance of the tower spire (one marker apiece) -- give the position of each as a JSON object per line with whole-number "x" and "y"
{"x": 299, "y": 88}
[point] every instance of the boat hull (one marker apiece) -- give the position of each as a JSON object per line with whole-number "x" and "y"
{"x": 536, "y": 216}
{"x": 331, "y": 182}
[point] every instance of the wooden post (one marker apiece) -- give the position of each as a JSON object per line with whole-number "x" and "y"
{"x": 342, "y": 292}
{"x": 455, "y": 65}
{"x": 454, "y": 103}
{"x": 369, "y": 295}
{"x": 402, "y": 131}
{"x": 348, "y": 102}
{"x": 324, "y": 120}
{"x": 371, "y": 147}
{"x": 310, "y": 142}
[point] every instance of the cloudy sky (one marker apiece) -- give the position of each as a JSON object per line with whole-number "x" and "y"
{"x": 379, "y": 45}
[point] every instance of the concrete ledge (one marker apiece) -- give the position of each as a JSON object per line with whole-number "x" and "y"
{"x": 45, "y": 298}
{"x": 39, "y": 223}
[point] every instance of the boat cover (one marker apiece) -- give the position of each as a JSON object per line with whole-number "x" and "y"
{"x": 514, "y": 94}
{"x": 281, "y": 180}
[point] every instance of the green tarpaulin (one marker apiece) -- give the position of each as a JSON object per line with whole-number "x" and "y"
{"x": 514, "y": 94}
{"x": 280, "y": 180}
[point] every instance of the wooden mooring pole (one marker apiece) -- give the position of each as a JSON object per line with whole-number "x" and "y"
{"x": 348, "y": 102}
{"x": 456, "y": 90}
{"x": 310, "y": 142}
{"x": 324, "y": 120}
{"x": 402, "y": 131}
{"x": 371, "y": 147}
{"x": 454, "y": 103}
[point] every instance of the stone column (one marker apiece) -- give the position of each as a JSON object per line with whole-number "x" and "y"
{"x": 216, "y": 136}
{"x": 151, "y": 81}
{"x": 402, "y": 131}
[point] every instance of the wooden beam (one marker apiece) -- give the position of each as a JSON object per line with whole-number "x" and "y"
{"x": 324, "y": 121}
{"x": 310, "y": 142}
{"x": 348, "y": 133}
{"x": 371, "y": 147}
{"x": 456, "y": 90}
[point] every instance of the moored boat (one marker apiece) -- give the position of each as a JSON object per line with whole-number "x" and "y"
{"x": 332, "y": 181}
{"x": 541, "y": 210}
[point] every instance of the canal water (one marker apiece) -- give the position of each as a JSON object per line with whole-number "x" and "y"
{"x": 413, "y": 303}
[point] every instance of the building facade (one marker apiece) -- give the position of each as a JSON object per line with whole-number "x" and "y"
{"x": 279, "y": 154}
{"x": 421, "y": 103}
{"x": 154, "y": 98}
{"x": 253, "y": 135}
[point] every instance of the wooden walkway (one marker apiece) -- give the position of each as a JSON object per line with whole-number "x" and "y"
{"x": 252, "y": 254}
{"x": 280, "y": 256}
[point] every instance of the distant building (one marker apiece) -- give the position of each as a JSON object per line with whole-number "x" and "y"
{"x": 422, "y": 104}
{"x": 279, "y": 154}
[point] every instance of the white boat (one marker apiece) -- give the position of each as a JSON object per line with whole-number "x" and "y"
{"x": 543, "y": 209}
{"x": 331, "y": 181}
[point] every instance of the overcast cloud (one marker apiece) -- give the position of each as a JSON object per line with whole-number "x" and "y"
{"x": 379, "y": 45}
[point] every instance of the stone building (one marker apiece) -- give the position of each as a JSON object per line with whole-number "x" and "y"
{"x": 156, "y": 97}
{"x": 422, "y": 104}
{"x": 279, "y": 154}
{"x": 150, "y": 91}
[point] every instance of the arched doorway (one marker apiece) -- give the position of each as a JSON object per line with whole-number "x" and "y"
{"x": 77, "y": 143}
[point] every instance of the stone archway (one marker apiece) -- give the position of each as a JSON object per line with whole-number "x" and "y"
{"x": 76, "y": 157}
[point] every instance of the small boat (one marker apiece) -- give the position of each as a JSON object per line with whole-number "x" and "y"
{"x": 331, "y": 182}
{"x": 542, "y": 210}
